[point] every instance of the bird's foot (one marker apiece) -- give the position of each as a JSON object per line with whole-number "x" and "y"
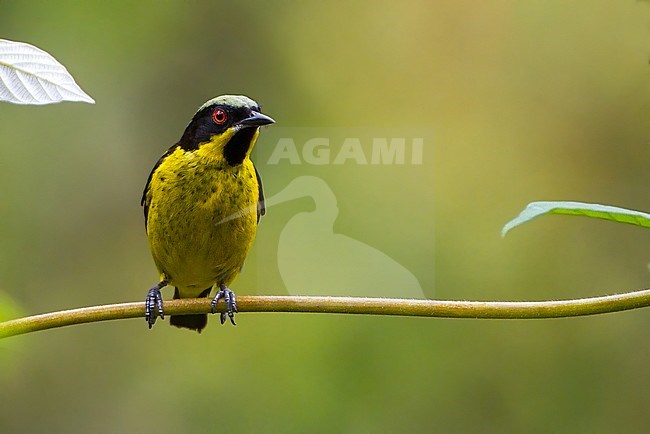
{"x": 152, "y": 302}
{"x": 231, "y": 303}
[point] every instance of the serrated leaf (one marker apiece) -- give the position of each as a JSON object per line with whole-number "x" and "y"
{"x": 29, "y": 75}
{"x": 593, "y": 210}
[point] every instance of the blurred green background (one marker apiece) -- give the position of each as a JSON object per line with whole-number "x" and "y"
{"x": 526, "y": 100}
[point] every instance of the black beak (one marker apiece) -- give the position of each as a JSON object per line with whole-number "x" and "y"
{"x": 256, "y": 119}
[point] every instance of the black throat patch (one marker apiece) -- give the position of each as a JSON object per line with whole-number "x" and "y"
{"x": 237, "y": 147}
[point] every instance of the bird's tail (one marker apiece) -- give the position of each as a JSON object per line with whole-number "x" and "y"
{"x": 192, "y": 322}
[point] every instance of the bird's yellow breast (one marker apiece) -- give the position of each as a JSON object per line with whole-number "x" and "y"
{"x": 202, "y": 218}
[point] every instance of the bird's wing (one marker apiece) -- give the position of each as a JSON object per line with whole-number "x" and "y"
{"x": 261, "y": 206}
{"x": 145, "y": 200}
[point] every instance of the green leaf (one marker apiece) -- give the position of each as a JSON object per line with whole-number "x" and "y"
{"x": 592, "y": 210}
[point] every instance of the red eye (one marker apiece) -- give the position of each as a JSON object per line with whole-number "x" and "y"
{"x": 219, "y": 116}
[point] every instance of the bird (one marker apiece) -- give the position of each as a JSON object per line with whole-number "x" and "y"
{"x": 202, "y": 203}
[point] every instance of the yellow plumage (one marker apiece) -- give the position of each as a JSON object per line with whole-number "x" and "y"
{"x": 193, "y": 194}
{"x": 202, "y": 204}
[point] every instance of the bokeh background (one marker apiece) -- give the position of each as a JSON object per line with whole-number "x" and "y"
{"x": 525, "y": 100}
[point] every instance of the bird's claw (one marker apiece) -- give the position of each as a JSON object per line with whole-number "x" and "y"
{"x": 231, "y": 304}
{"x": 152, "y": 303}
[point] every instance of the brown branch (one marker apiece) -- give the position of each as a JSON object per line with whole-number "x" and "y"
{"x": 343, "y": 305}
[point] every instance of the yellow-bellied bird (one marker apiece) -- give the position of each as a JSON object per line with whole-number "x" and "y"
{"x": 202, "y": 203}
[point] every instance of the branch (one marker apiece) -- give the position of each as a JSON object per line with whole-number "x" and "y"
{"x": 343, "y": 305}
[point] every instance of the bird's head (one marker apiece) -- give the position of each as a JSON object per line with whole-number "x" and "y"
{"x": 225, "y": 127}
